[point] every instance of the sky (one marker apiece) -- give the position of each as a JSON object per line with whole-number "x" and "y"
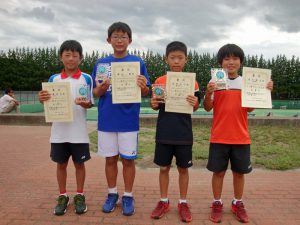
{"x": 259, "y": 27}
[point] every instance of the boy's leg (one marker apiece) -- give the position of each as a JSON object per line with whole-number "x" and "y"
{"x": 217, "y": 184}
{"x": 183, "y": 155}
{"x": 128, "y": 174}
{"x": 164, "y": 181}
{"x": 80, "y": 154}
{"x": 238, "y": 184}
{"x": 217, "y": 163}
{"x": 111, "y": 171}
{"x": 240, "y": 165}
{"x": 61, "y": 175}
{"x": 183, "y": 181}
{"x": 80, "y": 176}
{"x": 163, "y": 158}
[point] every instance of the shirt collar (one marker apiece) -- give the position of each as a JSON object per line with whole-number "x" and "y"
{"x": 76, "y": 75}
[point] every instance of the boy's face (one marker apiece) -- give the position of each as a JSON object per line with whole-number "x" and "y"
{"x": 176, "y": 61}
{"x": 232, "y": 64}
{"x": 70, "y": 59}
{"x": 119, "y": 41}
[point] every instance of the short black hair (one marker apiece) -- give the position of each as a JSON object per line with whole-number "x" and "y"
{"x": 119, "y": 26}
{"x": 176, "y": 46}
{"x": 72, "y": 45}
{"x": 230, "y": 50}
{"x": 7, "y": 90}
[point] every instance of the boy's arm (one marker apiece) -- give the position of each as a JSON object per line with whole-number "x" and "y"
{"x": 208, "y": 102}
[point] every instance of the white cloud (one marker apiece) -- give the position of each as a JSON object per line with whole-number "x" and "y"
{"x": 258, "y": 26}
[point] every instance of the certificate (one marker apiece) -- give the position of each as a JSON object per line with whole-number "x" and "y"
{"x": 254, "y": 91}
{"x": 179, "y": 86}
{"x": 123, "y": 79}
{"x": 59, "y": 107}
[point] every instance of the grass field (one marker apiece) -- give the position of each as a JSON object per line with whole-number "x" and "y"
{"x": 275, "y": 147}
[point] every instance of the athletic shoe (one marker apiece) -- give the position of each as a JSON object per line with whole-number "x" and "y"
{"x": 216, "y": 212}
{"x": 161, "y": 209}
{"x": 127, "y": 205}
{"x": 79, "y": 202}
{"x": 240, "y": 212}
{"x": 62, "y": 204}
{"x": 184, "y": 212}
{"x": 110, "y": 203}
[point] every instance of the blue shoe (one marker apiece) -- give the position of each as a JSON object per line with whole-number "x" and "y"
{"x": 110, "y": 203}
{"x": 128, "y": 205}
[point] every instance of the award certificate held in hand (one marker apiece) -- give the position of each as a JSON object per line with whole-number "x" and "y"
{"x": 59, "y": 107}
{"x": 254, "y": 91}
{"x": 179, "y": 86}
{"x": 124, "y": 82}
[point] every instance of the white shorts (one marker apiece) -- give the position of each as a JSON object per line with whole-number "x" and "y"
{"x": 118, "y": 143}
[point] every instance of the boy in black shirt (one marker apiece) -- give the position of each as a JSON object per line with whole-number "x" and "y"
{"x": 174, "y": 137}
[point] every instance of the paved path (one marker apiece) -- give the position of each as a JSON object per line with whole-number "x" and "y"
{"x": 28, "y": 189}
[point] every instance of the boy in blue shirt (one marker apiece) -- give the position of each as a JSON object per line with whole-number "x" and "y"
{"x": 118, "y": 124}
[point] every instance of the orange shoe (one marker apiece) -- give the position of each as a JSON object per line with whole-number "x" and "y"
{"x": 161, "y": 209}
{"x": 184, "y": 212}
{"x": 216, "y": 212}
{"x": 240, "y": 212}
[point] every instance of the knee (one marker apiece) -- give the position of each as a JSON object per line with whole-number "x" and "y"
{"x": 62, "y": 166}
{"x": 127, "y": 162}
{"x": 164, "y": 169}
{"x": 111, "y": 161}
{"x": 219, "y": 174}
{"x": 182, "y": 171}
{"x": 79, "y": 166}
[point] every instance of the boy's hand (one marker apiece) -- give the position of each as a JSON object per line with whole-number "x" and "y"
{"x": 142, "y": 83}
{"x": 270, "y": 85}
{"x": 210, "y": 88}
{"x": 192, "y": 100}
{"x": 155, "y": 101}
{"x": 44, "y": 95}
{"x": 101, "y": 88}
{"x": 83, "y": 102}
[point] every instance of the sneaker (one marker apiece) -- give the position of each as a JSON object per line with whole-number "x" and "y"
{"x": 240, "y": 212}
{"x": 216, "y": 212}
{"x": 62, "y": 204}
{"x": 161, "y": 209}
{"x": 110, "y": 203}
{"x": 79, "y": 202}
{"x": 184, "y": 212}
{"x": 127, "y": 205}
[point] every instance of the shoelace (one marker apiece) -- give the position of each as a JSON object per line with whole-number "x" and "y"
{"x": 79, "y": 200}
{"x": 61, "y": 200}
{"x": 159, "y": 207}
{"x": 241, "y": 209}
{"x": 216, "y": 208}
{"x": 126, "y": 201}
{"x": 109, "y": 200}
{"x": 185, "y": 211}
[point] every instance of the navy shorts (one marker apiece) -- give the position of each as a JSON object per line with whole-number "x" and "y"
{"x": 221, "y": 154}
{"x": 61, "y": 152}
{"x": 164, "y": 154}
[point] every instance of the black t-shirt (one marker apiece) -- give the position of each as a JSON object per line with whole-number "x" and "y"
{"x": 173, "y": 128}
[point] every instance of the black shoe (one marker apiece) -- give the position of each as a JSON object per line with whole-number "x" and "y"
{"x": 62, "y": 204}
{"x": 79, "y": 202}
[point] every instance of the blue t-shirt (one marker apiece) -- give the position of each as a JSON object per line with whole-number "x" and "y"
{"x": 117, "y": 117}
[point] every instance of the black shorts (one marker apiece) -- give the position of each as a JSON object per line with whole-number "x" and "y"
{"x": 164, "y": 155}
{"x": 220, "y": 154}
{"x": 61, "y": 152}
